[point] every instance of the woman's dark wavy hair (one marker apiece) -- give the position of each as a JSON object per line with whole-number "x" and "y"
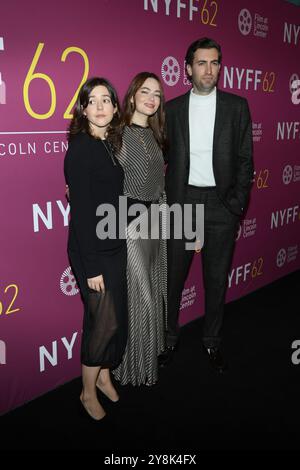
{"x": 80, "y": 123}
{"x": 157, "y": 121}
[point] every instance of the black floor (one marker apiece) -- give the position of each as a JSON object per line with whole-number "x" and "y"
{"x": 255, "y": 406}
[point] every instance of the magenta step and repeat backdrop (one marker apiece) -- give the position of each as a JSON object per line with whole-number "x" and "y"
{"x": 47, "y": 50}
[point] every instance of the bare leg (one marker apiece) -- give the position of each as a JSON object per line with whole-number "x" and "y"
{"x": 105, "y": 385}
{"x": 88, "y": 395}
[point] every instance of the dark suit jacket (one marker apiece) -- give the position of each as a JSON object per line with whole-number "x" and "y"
{"x": 232, "y": 150}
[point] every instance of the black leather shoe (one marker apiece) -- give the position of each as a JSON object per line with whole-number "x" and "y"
{"x": 166, "y": 357}
{"x": 216, "y": 359}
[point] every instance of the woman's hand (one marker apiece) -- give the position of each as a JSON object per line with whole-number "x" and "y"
{"x": 96, "y": 283}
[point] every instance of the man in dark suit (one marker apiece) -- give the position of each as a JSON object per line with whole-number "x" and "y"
{"x": 210, "y": 163}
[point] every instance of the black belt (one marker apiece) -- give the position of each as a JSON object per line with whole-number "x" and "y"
{"x": 131, "y": 201}
{"x": 199, "y": 189}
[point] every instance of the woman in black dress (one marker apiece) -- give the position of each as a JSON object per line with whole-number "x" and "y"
{"x": 95, "y": 177}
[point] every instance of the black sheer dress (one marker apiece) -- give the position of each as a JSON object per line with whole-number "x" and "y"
{"x": 95, "y": 177}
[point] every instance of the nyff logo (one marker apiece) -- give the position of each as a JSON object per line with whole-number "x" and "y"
{"x": 39, "y": 214}
{"x": 284, "y": 217}
{"x": 257, "y": 80}
{"x": 291, "y": 33}
{"x": 288, "y": 130}
{"x": 242, "y": 273}
{"x": 53, "y": 354}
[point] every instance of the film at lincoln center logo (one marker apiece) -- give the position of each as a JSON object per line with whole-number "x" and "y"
{"x": 170, "y": 71}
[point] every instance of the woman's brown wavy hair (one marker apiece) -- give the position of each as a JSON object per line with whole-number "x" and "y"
{"x": 157, "y": 121}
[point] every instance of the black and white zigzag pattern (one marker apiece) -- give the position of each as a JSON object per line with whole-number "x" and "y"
{"x": 147, "y": 263}
{"x": 143, "y": 164}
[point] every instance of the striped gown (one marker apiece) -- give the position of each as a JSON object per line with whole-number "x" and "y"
{"x": 143, "y": 165}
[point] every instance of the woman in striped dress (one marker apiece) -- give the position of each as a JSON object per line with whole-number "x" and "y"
{"x": 142, "y": 159}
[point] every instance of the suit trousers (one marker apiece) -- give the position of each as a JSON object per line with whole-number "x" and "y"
{"x": 220, "y": 230}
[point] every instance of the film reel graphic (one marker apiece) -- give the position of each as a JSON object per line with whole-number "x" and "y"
{"x": 287, "y": 174}
{"x": 245, "y": 21}
{"x": 281, "y": 257}
{"x": 170, "y": 71}
{"x": 68, "y": 284}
